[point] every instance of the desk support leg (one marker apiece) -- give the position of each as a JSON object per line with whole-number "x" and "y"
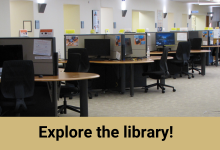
{"x": 132, "y": 81}
{"x": 122, "y": 79}
{"x": 83, "y": 98}
{"x": 207, "y": 57}
{"x": 203, "y": 59}
{"x": 54, "y": 95}
{"x": 216, "y": 57}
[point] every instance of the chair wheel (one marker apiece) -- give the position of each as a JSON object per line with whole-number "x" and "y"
{"x": 163, "y": 88}
{"x": 96, "y": 94}
{"x": 192, "y": 71}
{"x": 90, "y": 97}
{"x": 192, "y": 76}
{"x": 163, "y": 91}
{"x": 146, "y": 90}
{"x": 189, "y": 77}
{"x": 180, "y": 75}
{"x": 174, "y": 90}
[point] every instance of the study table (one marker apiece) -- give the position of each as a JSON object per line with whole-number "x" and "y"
{"x": 122, "y": 69}
{"x": 203, "y": 59}
{"x": 216, "y": 53}
{"x": 70, "y": 76}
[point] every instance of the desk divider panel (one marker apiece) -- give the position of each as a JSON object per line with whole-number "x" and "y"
{"x": 151, "y": 41}
{"x": 113, "y": 47}
{"x": 41, "y": 66}
{"x": 81, "y": 38}
{"x": 139, "y": 50}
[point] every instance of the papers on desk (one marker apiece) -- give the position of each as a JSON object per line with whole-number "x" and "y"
{"x": 42, "y": 47}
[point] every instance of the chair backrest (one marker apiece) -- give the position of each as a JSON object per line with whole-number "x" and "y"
{"x": 163, "y": 60}
{"x": 183, "y": 51}
{"x": 196, "y": 43}
{"x": 84, "y": 61}
{"x": 73, "y": 62}
{"x": 17, "y": 79}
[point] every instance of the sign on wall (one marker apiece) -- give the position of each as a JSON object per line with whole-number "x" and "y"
{"x": 95, "y": 20}
{"x": 159, "y": 20}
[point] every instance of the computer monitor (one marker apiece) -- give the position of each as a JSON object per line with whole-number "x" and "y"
{"x": 128, "y": 47}
{"x": 10, "y": 52}
{"x": 97, "y": 47}
{"x": 163, "y": 39}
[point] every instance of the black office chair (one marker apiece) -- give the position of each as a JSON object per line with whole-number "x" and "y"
{"x": 195, "y": 45}
{"x": 17, "y": 85}
{"x": 182, "y": 58}
{"x": 84, "y": 63}
{"x": 71, "y": 88}
{"x": 0, "y": 110}
{"x": 161, "y": 74}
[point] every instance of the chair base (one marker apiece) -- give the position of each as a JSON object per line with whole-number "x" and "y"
{"x": 194, "y": 68}
{"x": 183, "y": 72}
{"x": 62, "y": 108}
{"x": 159, "y": 85}
{"x": 90, "y": 94}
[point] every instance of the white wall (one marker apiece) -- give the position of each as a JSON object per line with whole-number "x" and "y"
{"x": 53, "y": 16}
{"x": 106, "y": 20}
{"x": 5, "y": 30}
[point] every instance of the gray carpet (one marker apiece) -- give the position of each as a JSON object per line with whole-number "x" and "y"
{"x": 196, "y": 97}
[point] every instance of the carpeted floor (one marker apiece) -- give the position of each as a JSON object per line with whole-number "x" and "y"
{"x": 196, "y": 97}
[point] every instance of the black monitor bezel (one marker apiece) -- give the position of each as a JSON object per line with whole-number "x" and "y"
{"x": 100, "y": 51}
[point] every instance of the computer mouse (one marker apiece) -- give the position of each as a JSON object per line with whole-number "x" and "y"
{"x": 41, "y": 76}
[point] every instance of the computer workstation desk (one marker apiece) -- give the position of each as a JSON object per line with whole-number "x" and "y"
{"x": 122, "y": 64}
{"x": 202, "y": 52}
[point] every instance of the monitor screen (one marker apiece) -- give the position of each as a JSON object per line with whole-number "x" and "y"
{"x": 97, "y": 47}
{"x": 163, "y": 39}
{"x": 10, "y": 52}
{"x": 128, "y": 48}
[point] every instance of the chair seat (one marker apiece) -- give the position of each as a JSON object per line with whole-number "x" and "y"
{"x": 176, "y": 61}
{"x": 154, "y": 74}
{"x": 65, "y": 91}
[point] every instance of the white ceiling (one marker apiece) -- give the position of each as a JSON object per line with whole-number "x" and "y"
{"x": 208, "y": 2}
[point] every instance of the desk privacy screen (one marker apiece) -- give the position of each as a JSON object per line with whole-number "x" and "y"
{"x": 117, "y": 43}
{"x": 42, "y": 51}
